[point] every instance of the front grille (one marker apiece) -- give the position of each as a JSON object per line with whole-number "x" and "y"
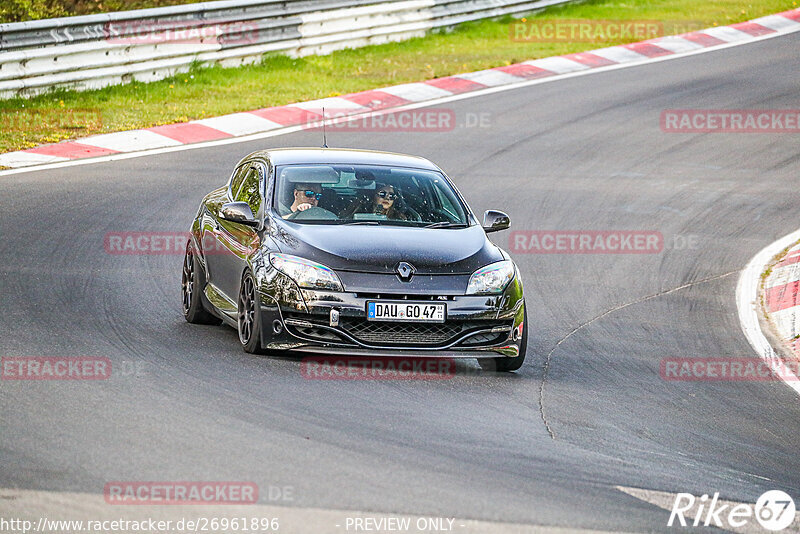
{"x": 388, "y": 334}
{"x": 416, "y": 334}
{"x": 380, "y": 333}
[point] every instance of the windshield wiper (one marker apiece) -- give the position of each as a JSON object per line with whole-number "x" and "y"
{"x": 350, "y": 223}
{"x": 445, "y": 224}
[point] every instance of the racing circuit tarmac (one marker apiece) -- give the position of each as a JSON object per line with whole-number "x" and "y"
{"x": 548, "y": 445}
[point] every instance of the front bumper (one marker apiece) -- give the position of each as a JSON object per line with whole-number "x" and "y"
{"x": 295, "y": 319}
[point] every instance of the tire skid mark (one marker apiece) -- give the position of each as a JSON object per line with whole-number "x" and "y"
{"x": 548, "y": 358}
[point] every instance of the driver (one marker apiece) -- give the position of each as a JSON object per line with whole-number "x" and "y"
{"x": 305, "y": 196}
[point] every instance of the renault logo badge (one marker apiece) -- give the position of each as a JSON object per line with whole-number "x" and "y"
{"x": 405, "y": 271}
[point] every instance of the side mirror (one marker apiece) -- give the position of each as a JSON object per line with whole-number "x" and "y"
{"x": 494, "y": 221}
{"x": 238, "y": 212}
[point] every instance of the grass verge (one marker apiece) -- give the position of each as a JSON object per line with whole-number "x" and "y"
{"x": 278, "y": 79}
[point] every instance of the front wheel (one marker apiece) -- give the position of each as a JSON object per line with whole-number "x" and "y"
{"x": 249, "y": 316}
{"x": 505, "y": 364}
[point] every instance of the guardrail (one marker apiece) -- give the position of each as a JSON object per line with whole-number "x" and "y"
{"x": 94, "y": 51}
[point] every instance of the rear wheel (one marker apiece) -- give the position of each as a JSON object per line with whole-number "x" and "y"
{"x": 506, "y": 364}
{"x": 192, "y": 283}
{"x": 249, "y": 316}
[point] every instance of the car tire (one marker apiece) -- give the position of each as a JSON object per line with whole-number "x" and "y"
{"x": 506, "y": 364}
{"x": 248, "y": 316}
{"x": 193, "y": 280}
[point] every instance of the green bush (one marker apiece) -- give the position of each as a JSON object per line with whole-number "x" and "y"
{"x": 18, "y": 10}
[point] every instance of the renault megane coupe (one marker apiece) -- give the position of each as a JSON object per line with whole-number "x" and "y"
{"x": 353, "y": 252}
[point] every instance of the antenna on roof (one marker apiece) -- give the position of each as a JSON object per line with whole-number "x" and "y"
{"x": 324, "y": 132}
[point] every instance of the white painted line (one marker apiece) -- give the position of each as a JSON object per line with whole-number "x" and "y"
{"x": 130, "y": 141}
{"x": 728, "y": 34}
{"x": 24, "y": 159}
{"x": 559, "y": 65}
{"x": 619, "y": 54}
{"x": 747, "y": 302}
{"x": 491, "y": 78}
{"x": 239, "y": 123}
{"x": 332, "y": 103}
{"x": 416, "y": 92}
{"x": 777, "y": 22}
{"x": 676, "y": 45}
{"x": 417, "y": 105}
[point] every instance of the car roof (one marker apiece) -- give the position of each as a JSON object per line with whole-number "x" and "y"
{"x": 346, "y": 156}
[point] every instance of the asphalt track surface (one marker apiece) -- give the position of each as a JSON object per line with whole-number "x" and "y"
{"x": 547, "y": 445}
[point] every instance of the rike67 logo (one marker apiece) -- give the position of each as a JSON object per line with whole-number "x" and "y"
{"x": 774, "y": 511}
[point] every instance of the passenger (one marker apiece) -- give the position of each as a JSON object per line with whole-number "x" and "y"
{"x": 385, "y": 201}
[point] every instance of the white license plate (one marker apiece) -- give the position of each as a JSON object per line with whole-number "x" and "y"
{"x": 422, "y": 312}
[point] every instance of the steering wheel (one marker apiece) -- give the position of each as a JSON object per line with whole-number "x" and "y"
{"x": 314, "y": 212}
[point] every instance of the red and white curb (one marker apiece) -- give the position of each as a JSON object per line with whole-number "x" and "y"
{"x": 776, "y": 297}
{"x": 378, "y": 100}
{"x": 781, "y": 299}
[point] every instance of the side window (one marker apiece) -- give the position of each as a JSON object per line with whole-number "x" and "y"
{"x": 425, "y": 203}
{"x": 236, "y": 180}
{"x": 249, "y": 192}
{"x": 445, "y": 202}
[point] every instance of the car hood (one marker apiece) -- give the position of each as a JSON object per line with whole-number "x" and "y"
{"x": 378, "y": 249}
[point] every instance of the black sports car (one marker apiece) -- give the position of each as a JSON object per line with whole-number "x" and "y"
{"x": 353, "y": 252}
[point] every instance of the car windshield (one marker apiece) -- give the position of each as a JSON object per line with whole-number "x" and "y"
{"x": 367, "y": 194}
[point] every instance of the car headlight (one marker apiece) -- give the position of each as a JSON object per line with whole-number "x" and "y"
{"x": 306, "y": 273}
{"x": 491, "y": 279}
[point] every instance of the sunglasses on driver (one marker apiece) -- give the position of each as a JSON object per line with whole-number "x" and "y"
{"x": 311, "y": 194}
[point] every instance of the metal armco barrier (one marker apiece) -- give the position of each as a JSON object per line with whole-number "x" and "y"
{"x": 95, "y": 51}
